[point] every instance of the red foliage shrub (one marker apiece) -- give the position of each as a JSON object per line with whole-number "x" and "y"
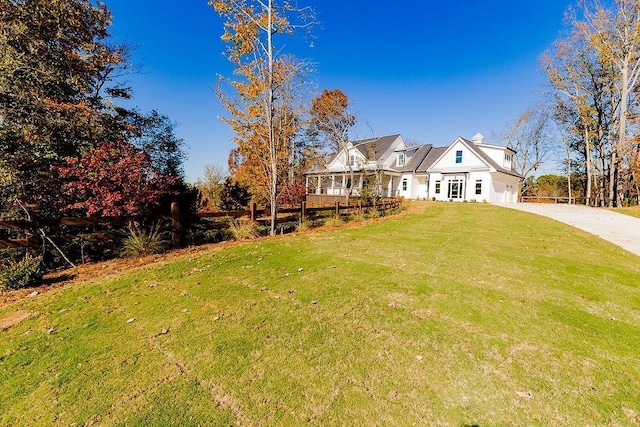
{"x": 114, "y": 179}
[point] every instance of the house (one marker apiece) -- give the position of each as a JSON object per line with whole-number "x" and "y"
{"x": 464, "y": 170}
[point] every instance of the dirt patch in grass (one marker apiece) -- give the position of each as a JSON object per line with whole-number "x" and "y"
{"x": 12, "y": 319}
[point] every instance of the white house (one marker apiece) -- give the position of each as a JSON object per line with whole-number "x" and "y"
{"x": 465, "y": 170}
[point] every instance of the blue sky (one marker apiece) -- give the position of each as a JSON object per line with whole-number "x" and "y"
{"x": 429, "y": 70}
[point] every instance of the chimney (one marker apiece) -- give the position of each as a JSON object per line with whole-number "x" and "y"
{"x": 478, "y": 138}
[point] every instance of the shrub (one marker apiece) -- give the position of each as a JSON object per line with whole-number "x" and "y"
{"x": 22, "y": 274}
{"x": 242, "y": 230}
{"x": 140, "y": 242}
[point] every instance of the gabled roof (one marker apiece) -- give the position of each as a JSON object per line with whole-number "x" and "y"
{"x": 484, "y": 156}
{"x": 481, "y": 154}
{"x": 376, "y": 146}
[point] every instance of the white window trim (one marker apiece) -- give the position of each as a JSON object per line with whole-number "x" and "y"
{"x": 400, "y": 160}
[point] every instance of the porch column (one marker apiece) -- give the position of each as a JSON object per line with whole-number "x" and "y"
{"x": 319, "y": 187}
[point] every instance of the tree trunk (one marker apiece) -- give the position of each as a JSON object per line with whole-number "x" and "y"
{"x": 587, "y": 149}
{"x": 270, "y": 114}
{"x": 569, "y": 173}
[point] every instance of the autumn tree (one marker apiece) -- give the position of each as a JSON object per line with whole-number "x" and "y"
{"x": 261, "y": 105}
{"x": 330, "y": 115}
{"x": 594, "y": 73}
{"x": 55, "y": 73}
{"x": 615, "y": 36}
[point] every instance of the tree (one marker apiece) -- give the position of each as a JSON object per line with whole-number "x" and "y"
{"x": 233, "y": 195}
{"x": 588, "y": 97}
{"x": 154, "y": 133}
{"x": 330, "y": 115}
{"x": 528, "y": 135}
{"x": 212, "y": 183}
{"x": 114, "y": 179}
{"x": 55, "y": 73}
{"x": 615, "y": 36}
{"x": 600, "y": 80}
{"x": 261, "y": 113}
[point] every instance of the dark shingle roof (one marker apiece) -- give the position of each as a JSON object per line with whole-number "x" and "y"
{"x": 433, "y": 155}
{"x": 416, "y": 158}
{"x": 374, "y": 148}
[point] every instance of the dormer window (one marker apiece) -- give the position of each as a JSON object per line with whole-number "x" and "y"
{"x": 400, "y": 159}
{"x": 459, "y": 156}
{"x": 352, "y": 160}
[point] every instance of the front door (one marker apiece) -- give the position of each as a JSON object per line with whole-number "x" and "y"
{"x": 456, "y": 189}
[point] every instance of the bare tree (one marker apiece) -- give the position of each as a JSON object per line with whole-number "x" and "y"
{"x": 528, "y": 135}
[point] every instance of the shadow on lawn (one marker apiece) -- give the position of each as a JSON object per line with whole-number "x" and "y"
{"x": 47, "y": 281}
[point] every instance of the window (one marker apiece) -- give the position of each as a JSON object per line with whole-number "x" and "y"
{"x": 478, "y": 186}
{"x": 459, "y": 156}
{"x": 404, "y": 184}
{"x": 400, "y": 160}
{"x": 507, "y": 157}
{"x": 437, "y": 187}
{"x": 352, "y": 159}
{"x": 455, "y": 189}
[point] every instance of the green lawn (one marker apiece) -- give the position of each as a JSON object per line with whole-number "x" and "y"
{"x": 459, "y": 314}
{"x": 631, "y": 211}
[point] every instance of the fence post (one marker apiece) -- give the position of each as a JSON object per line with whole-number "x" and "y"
{"x": 337, "y": 208}
{"x": 360, "y": 208}
{"x": 384, "y": 208}
{"x": 175, "y": 223}
{"x": 253, "y": 207}
{"x": 303, "y": 211}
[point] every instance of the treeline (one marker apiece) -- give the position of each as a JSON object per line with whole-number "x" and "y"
{"x": 594, "y": 75}
{"x": 68, "y": 146}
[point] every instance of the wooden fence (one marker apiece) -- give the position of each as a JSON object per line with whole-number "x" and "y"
{"x": 553, "y": 199}
{"x": 180, "y": 220}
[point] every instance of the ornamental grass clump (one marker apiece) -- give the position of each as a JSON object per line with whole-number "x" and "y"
{"x": 334, "y": 221}
{"x": 141, "y": 242}
{"x": 303, "y": 225}
{"x": 242, "y": 230}
{"x": 357, "y": 217}
{"x": 25, "y": 273}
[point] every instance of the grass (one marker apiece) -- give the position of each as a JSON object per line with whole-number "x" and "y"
{"x": 460, "y": 314}
{"x": 631, "y": 211}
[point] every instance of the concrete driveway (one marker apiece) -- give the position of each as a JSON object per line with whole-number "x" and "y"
{"x": 619, "y": 229}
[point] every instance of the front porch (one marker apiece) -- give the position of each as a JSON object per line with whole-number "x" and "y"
{"x": 338, "y": 184}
